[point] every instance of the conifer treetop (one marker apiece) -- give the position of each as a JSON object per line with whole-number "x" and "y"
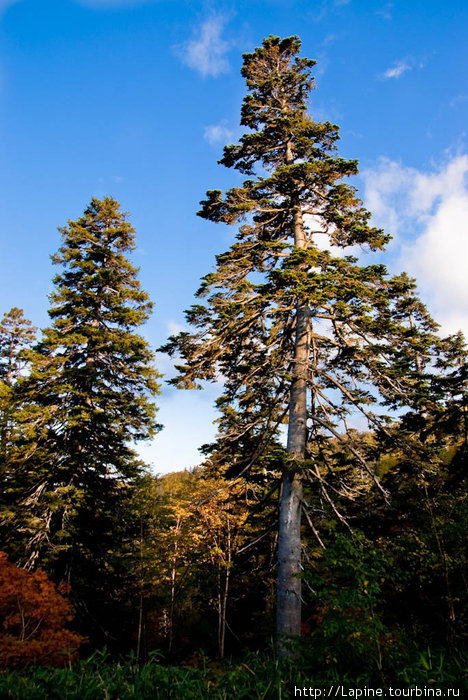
{"x": 16, "y": 334}
{"x": 291, "y": 158}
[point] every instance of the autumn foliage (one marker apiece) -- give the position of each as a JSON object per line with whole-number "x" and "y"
{"x": 33, "y": 615}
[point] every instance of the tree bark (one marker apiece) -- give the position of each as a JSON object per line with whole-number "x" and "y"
{"x": 288, "y": 616}
{"x": 288, "y": 605}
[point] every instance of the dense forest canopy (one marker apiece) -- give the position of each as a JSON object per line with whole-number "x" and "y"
{"x": 333, "y": 499}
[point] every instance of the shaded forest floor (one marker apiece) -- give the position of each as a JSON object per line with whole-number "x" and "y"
{"x": 258, "y": 677}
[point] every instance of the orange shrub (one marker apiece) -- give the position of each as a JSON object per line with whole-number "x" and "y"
{"x": 32, "y": 619}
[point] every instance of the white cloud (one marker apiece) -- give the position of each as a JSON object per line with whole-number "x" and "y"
{"x": 319, "y": 232}
{"x": 397, "y": 70}
{"x": 174, "y": 327}
{"x": 187, "y": 417}
{"x": 218, "y": 134}
{"x": 206, "y": 51}
{"x": 427, "y": 212}
{"x": 384, "y": 188}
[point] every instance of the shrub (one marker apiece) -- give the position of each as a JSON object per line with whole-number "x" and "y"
{"x": 33, "y": 615}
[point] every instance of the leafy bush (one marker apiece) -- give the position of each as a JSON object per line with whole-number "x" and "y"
{"x": 32, "y": 619}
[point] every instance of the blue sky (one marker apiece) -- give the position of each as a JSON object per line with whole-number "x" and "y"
{"x": 135, "y": 99}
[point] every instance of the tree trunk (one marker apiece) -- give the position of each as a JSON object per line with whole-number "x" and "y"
{"x": 288, "y": 617}
{"x": 173, "y": 582}
{"x": 227, "y": 574}
{"x": 288, "y": 605}
{"x": 140, "y": 615}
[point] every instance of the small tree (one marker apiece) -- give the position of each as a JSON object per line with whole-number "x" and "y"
{"x": 16, "y": 335}
{"x": 33, "y": 615}
{"x": 299, "y": 334}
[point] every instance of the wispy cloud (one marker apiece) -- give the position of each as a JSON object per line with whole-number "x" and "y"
{"x": 427, "y": 212}
{"x": 5, "y": 4}
{"x": 385, "y": 11}
{"x": 218, "y": 134}
{"x": 321, "y": 54}
{"x": 174, "y": 327}
{"x": 173, "y": 449}
{"x": 397, "y": 70}
{"x": 329, "y": 39}
{"x": 206, "y": 51}
{"x": 107, "y": 4}
{"x": 458, "y": 99}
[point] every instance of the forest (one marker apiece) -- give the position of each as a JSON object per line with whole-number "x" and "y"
{"x": 321, "y": 542}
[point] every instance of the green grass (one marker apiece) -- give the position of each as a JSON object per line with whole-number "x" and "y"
{"x": 258, "y": 678}
{"x": 100, "y": 678}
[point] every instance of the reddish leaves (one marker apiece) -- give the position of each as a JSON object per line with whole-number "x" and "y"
{"x": 32, "y": 619}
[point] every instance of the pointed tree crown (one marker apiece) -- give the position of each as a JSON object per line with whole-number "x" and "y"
{"x": 359, "y": 326}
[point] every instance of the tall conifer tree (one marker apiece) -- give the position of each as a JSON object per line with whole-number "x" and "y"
{"x": 299, "y": 334}
{"x": 91, "y": 384}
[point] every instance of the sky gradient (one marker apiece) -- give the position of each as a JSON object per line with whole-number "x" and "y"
{"x": 135, "y": 99}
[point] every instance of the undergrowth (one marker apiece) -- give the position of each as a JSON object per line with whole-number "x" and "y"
{"x": 258, "y": 677}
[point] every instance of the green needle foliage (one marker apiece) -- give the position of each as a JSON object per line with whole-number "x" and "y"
{"x": 16, "y": 335}
{"x": 87, "y": 399}
{"x": 299, "y": 330}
